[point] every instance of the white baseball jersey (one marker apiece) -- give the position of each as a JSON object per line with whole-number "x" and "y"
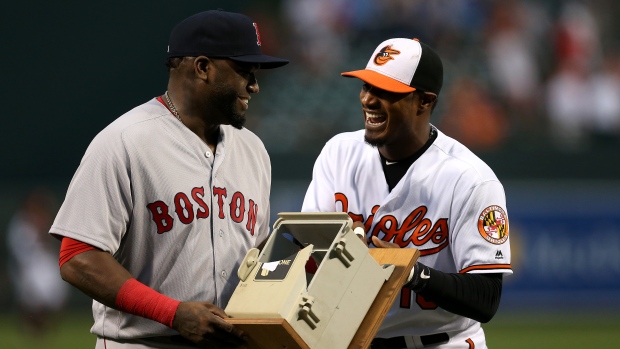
{"x": 449, "y": 205}
{"x": 179, "y": 218}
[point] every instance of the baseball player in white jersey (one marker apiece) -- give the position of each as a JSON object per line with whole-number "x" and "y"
{"x": 411, "y": 186}
{"x": 169, "y": 197}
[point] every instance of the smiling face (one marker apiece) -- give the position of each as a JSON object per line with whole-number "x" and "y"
{"x": 230, "y": 94}
{"x": 389, "y": 118}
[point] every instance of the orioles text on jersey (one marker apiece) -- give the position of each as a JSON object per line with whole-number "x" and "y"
{"x": 415, "y": 228}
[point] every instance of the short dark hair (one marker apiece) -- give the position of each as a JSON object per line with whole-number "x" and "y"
{"x": 173, "y": 62}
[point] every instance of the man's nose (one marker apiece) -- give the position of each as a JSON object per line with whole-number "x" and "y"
{"x": 253, "y": 85}
{"x": 368, "y": 97}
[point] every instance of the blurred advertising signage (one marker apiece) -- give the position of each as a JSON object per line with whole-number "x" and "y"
{"x": 571, "y": 251}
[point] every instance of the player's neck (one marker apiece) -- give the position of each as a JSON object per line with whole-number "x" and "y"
{"x": 209, "y": 134}
{"x": 406, "y": 147}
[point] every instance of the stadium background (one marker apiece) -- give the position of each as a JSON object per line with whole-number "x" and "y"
{"x": 533, "y": 87}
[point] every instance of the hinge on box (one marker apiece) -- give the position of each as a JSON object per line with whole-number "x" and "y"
{"x": 340, "y": 250}
{"x": 306, "y": 312}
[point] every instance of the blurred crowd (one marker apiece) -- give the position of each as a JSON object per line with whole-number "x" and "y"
{"x": 517, "y": 72}
{"x": 39, "y": 292}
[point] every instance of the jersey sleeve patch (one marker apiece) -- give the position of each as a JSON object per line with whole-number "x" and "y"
{"x": 493, "y": 225}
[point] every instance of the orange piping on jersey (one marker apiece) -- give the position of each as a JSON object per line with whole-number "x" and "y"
{"x": 485, "y": 267}
{"x": 471, "y": 343}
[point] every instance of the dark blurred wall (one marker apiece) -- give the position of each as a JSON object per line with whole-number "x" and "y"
{"x": 71, "y": 67}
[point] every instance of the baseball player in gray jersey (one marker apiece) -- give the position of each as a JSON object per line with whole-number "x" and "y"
{"x": 170, "y": 196}
{"x": 408, "y": 185}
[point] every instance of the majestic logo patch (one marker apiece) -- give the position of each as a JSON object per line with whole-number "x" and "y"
{"x": 493, "y": 225}
{"x": 385, "y": 55}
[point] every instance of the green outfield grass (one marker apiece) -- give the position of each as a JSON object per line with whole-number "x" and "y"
{"x": 566, "y": 331}
{"x": 67, "y": 331}
{"x": 506, "y": 331}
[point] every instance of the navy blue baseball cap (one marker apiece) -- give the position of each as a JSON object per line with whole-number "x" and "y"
{"x": 220, "y": 34}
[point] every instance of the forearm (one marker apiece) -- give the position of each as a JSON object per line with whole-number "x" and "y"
{"x": 100, "y": 276}
{"x": 475, "y": 296}
{"x": 97, "y": 274}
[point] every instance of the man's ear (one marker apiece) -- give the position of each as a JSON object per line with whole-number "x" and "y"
{"x": 202, "y": 65}
{"x": 427, "y": 101}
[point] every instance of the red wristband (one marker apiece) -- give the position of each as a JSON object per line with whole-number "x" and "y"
{"x": 136, "y": 298}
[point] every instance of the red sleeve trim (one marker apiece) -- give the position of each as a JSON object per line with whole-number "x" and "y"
{"x": 485, "y": 267}
{"x": 70, "y": 248}
{"x": 160, "y": 99}
{"x": 136, "y": 298}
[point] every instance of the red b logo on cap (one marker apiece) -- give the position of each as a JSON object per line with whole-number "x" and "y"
{"x": 257, "y": 34}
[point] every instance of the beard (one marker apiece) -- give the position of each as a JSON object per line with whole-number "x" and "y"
{"x": 236, "y": 120}
{"x": 374, "y": 142}
{"x": 226, "y": 102}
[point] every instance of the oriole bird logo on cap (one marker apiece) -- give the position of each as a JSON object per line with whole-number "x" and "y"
{"x": 385, "y": 55}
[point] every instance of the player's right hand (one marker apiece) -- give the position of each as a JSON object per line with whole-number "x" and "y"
{"x": 203, "y": 324}
{"x": 383, "y": 244}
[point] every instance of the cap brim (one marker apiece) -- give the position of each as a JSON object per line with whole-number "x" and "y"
{"x": 379, "y": 80}
{"x": 266, "y": 62}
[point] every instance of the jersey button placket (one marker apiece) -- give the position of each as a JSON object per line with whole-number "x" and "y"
{"x": 223, "y": 273}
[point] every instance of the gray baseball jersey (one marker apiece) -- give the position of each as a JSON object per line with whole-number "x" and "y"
{"x": 178, "y": 217}
{"x": 449, "y": 205}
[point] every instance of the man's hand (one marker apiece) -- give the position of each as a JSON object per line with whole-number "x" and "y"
{"x": 383, "y": 244}
{"x": 357, "y": 226}
{"x": 358, "y": 229}
{"x": 203, "y": 324}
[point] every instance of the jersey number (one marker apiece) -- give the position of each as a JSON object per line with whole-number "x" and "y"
{"x": 405, "y": 300}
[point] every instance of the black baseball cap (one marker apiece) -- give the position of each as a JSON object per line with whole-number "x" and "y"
{"x": 220, "y": 34}
{"x": 402, "y": 65}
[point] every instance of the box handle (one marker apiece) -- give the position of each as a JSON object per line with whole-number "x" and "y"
{"x": 306, "y": 313}
{"x": 341, "y": 252}
{"x": 248, "y": 263}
